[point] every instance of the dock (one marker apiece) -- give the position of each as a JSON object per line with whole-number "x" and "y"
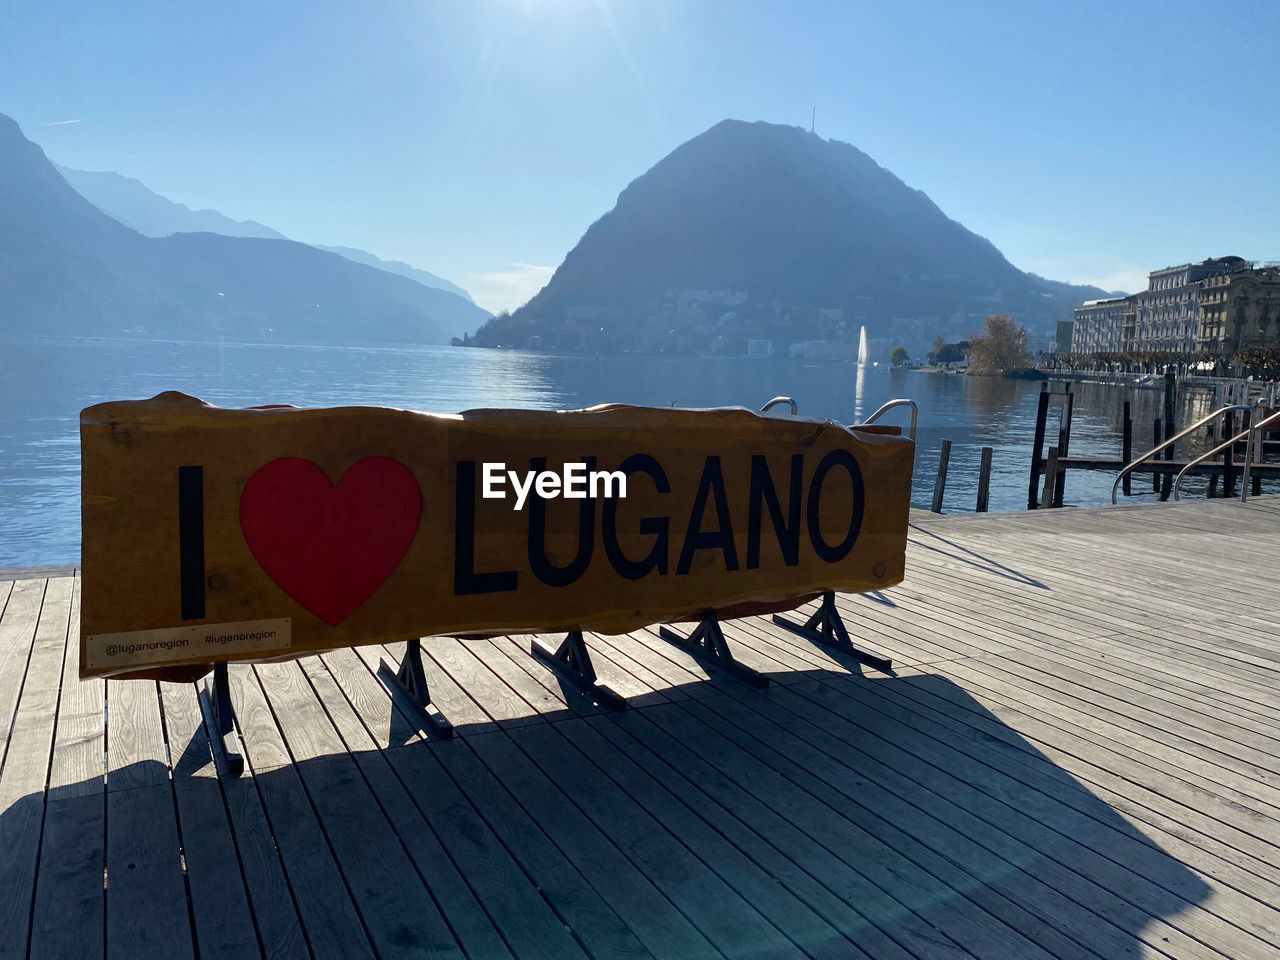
{"x": 1076, "y": 755}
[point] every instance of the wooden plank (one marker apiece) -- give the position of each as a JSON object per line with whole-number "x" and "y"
{"x": 677, "y": 675}
{"x": 1112, "y": 570}
{"x": 371, "y": 703}
{"x": 17, "y": 633}
{"x": 1225, "y": 681}
{"x": 1104, "y": 790}
{"x": 1220, "y": 792}
{"x": 658, "y": 923}
{"x": 725, "y": 917}
{"x": 583, "y": 907}
{"x": 696, "y": 784}
{"x": 1100, "y": 698}
{"x": 220, "y": 911}
{"x": 1073, "y": 855}
{"x": 48, "y": 572}
{"x": 786, "y": 912}
{"x": 146, "y": 888}
{"x": 26, "y": 765}
{"x": 980, "y": 917}
{"x": 69, "y": 910}
{"x": 1133, "y": 603}
{"x": 350, "y": 694}
{"x": 643, "y": 679}
{"x": 329, "y": 918}
{"x": 275, "y": 917}
{"x": 1140, "y": 659}
{"x": 68, "y": 914}
{"x": 398, "y": 914}
{"x": 1059, "y": 615}
{"x": 80, "y": 741}
{"x": 510, "y": 659}
{"x": 1140, "y": 655}
{"x": 547, "y": 699}
{"x": 453, "y": 700}
{"x": 695, "y": 679}
{"x": 137, "y": 755}
{"x": 146, "y": 895}
{"x": 1168, "y": 696}
{"x": 275, "y": 912}
{"x": 503, "y": 705}
{"x": 989, "y": 741}
{"x": 527, "y": 917}
{"x": 516, "y": 650}
{"x": 1037, "y": 891}
{"x": 1128, "y": 576}
{"x": 862, "y": 877}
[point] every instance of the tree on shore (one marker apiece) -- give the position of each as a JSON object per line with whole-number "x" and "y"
{"x": 1001, "y": 349}
{"x": 952, "y": 352}
{"x": 898, "y": 356}
{"x": 1262, "y": 362}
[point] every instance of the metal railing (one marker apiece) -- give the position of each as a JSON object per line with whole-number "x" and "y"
{"x": 1171, "y": 441}
{"x": 795, "y": 407}
{"x": 1246, "y": 435}
{"x": 915, "y": 411}
{"x": 902, "y": 402}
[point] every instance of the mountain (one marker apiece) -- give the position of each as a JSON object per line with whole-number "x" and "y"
{"x": 67, "y": 268}
{"x": 396, "y": 266}
{"x": 764, "y": 230}
{"x": 135, "y": 205}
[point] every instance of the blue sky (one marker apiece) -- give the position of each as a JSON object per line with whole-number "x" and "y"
{"x": 479, "y": 138}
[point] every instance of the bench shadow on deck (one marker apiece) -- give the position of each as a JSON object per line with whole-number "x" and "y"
{"x": 798, "y": 821}
{"x": 839, "y": 813}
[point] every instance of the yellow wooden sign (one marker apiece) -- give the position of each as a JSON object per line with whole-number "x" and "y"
{"x": 213, "y": 535}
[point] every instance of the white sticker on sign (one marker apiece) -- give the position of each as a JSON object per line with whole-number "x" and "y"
{"x": 203, "y": 642}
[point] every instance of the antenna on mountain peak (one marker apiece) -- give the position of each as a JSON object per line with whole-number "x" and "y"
{"x": 812, "y": 118}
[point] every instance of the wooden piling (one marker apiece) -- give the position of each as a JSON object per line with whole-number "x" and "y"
{"x": 940, "y": 483}
{"x": 1126, "y": 446}
{"x": 1051, "y": 478}
{"x": 1037, "y": 445}
{"x": 1213, "y": 442}
{"x": 1064, "y": 444}
{"x": 1155, "y": 442}
{"x": 1170, "y": 428}
{"x": 1253, "y": 452}
{"x": 984, "y": 479}
{"x": 1228, "y": 456}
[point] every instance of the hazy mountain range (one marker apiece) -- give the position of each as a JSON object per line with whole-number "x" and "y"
{"x": 767, "y": 230}
{"x": 135, "y": 205}
{"x": 67, "y": 268}
{"x": 800, "y": 225}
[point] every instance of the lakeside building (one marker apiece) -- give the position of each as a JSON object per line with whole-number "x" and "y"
{"x": 1062, "y": 337}
{"x": 1219, "y": 305}
{"x": 1240, "y": 310}
{"x": 1099, "y": 326}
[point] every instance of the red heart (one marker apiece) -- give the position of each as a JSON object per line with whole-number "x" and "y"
{"x": 330, "y": 547}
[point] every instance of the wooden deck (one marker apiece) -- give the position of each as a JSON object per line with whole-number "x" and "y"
{"x": 1078, "y": 756}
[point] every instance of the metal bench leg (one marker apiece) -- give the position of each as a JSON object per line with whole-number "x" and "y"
{"x": 572, "y": 661}
{"x": 219, "y": 722}
{"x": 708, "y": 645}
{"x": 827, "y": 628}
{"x": 412, "y": 682}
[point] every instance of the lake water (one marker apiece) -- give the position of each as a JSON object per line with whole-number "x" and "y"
{"x": 45, "y": 382}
